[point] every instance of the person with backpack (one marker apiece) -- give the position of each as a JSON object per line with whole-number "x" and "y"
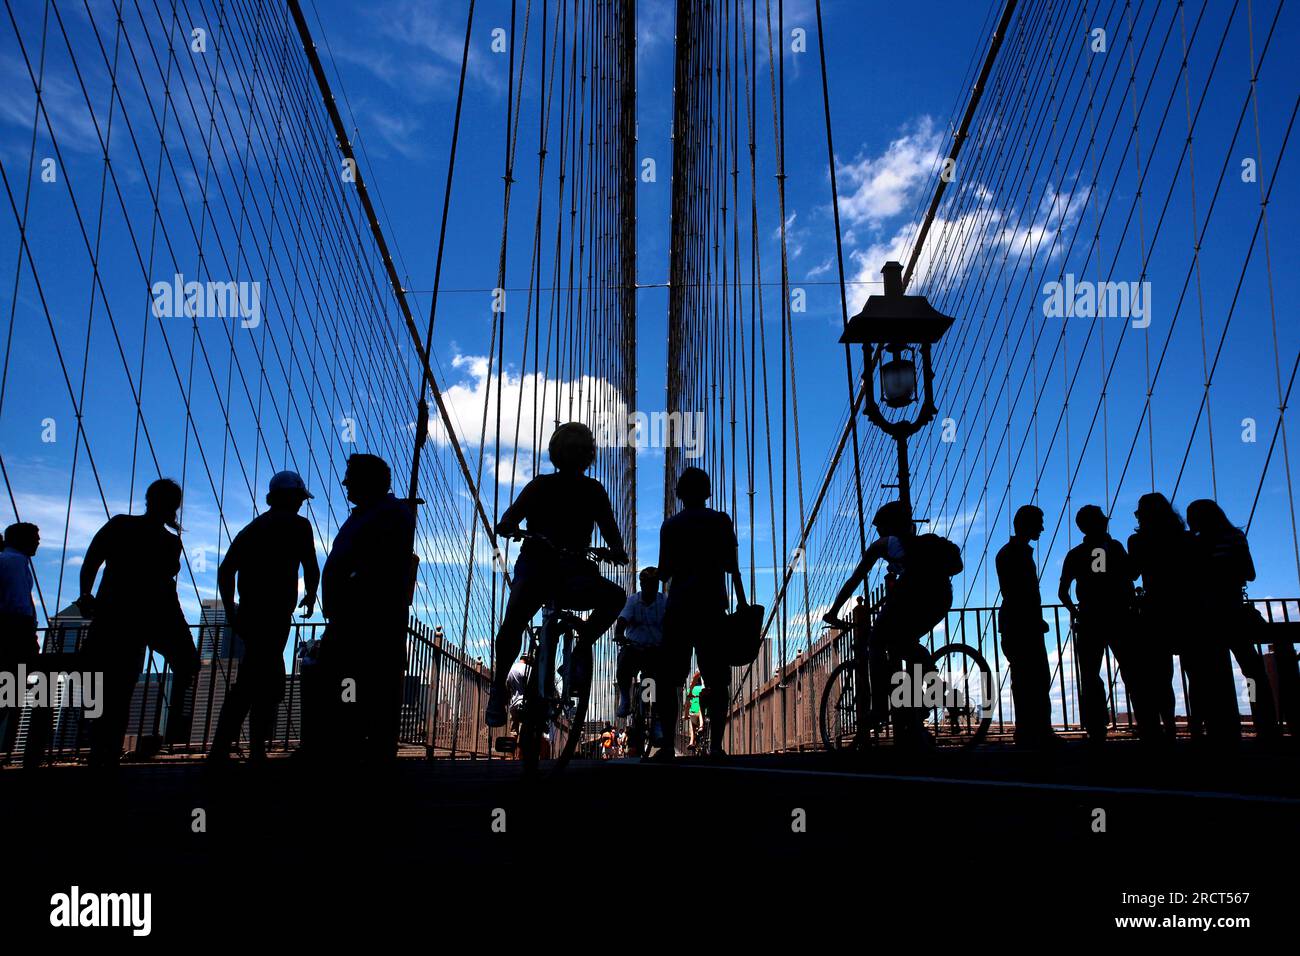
{"x": 1101, "y": 573}
{"x": 918, "y": 596}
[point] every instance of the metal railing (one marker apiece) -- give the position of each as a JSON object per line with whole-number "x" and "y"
{"x": 781, "y": 713}
{"x": 443, "y": 695}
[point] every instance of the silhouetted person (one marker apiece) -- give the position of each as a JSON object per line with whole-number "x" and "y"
{"x": 563, "y": 506}
{"x": 697, "y": 553}
{"x": 366, "y": 588}
{"x": 641, "y": 623}
{"x": 1098, "y": 567}
{"x": 1159, "y": 552}
{"x": 265, "y": 558}
{"x": 918, "y": 596}
{"x": 1021, "y": 623}
{"x": 1224, "y": 567}
{"x": 18, "y": 644}
{"x": 137, "y": 606}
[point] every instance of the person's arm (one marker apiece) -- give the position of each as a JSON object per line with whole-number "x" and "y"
{"x": 96, "y": 555}
{"x": 310, "y": 570}
{"x": 512, "y": 517}
{"x": 226, "y": 572}
{"x": 733, "y": 566}
{"x": 608, "y": 526}
{"x": 874, "y": 553}
{"x": 1063, "y": 591}
{"x": 620, "y": 625}
{"x": 667, "y": 556}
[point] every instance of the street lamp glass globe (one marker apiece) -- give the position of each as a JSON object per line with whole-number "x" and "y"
{"x": 898, "y": 382}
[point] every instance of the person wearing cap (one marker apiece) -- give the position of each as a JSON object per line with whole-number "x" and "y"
{"x": 366, "y": 588}
{"x": 563, "y": 507}
{"x": 264, "y": 561}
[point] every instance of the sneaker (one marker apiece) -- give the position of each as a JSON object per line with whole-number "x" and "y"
{"x": 495, "y": 714}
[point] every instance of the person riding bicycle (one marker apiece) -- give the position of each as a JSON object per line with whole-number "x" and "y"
{"x": 639, "y": 631}
{"x": 561, "y": 507}
{"x": 918, "y": 596}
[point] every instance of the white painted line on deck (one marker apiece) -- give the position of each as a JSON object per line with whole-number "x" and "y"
{"x": 1012, "y": 784}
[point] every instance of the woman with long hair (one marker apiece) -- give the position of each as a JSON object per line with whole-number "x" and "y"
{"x": 1224, "y": 566}
{"x": 1158, "y": 553}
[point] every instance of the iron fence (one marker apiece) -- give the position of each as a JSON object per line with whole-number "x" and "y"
{"x": 444, "y": 693}
{"x": 781, "y": 712}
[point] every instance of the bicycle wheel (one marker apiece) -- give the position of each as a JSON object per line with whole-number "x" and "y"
{"x": 961, "y": 702}
{"x": 570, "y": 707}
{"x": 532, "y": 728}
{"x": 843, "y": 699}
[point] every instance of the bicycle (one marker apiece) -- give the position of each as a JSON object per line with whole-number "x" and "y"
{"x": 640, "y": 714}
{"x": 956, "y": 689}
{"x": 554, "y": 707}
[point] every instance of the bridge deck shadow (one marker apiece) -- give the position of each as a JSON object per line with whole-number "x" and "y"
{"x": 452, "y": 826}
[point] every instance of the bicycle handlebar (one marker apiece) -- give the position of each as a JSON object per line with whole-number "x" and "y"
{"x": 592, "y": 554}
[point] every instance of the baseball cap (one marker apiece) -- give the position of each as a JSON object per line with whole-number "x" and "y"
{"x": 289, "y": 481}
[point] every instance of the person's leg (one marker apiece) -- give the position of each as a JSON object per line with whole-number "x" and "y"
{"x": 1089, "y": 652}
{"x": 672, "y": 666}
{"x": 176, "y": 646}
{"x": 1039, "y": 692}
{"x": 527, "y": 594}
{"x": 1262, "y": 707}
{"x": 1018, "y": 650}
{"x": 120, "y": 673}
{"x": 268, "y": 692}
{"x": 1134, "y": 662}
{"x": 233, "y": 710}
{"x": 717, "y": 678}
{"x": 602, "y": 597}
{"x": 9, "y": 660}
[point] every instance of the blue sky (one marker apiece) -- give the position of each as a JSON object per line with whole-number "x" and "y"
{"x": 896, "y": 77}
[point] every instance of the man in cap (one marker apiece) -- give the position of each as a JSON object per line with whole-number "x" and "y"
{"x": 264, "y": 559}
{"x": 366, "y": 591}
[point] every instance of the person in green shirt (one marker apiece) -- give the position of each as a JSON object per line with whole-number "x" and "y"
{"x": 695, "y": 714}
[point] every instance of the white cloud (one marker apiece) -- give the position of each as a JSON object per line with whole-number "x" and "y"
{"x": 529, "y": 406}
{"x": 878, "y": 188}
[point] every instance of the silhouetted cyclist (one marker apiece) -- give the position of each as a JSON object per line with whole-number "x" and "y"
{"x": 562, "y": 506}
{"x": 639, "y": 629}
{"x": 1160, "y": 553}
{"x": 18, "y": 644}
{"x": 265, "y": 558}
{"x": 1098, "y": 567}
{"x": 919, "y": 597}
{"x": 697, "y": 553}
{"x": 1021, "y": 623}
{"x": 1223, "y": 569}
{"x": 136, "y": 605}
{"x": 366, "y": 588}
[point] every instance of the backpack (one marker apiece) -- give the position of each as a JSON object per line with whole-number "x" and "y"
{"x": 932, "y": 556}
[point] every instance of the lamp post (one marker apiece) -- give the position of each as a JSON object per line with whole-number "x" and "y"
{"x": 904, "y": 327}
